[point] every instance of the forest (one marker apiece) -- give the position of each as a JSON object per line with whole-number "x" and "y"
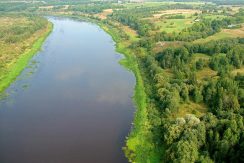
{"x": 218, "y": 134}
{"x": 195, "y": 91}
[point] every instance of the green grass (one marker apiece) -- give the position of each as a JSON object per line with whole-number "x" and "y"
{"x": 22, "y": 61}
{"x": 174, "y": 25}
{"x": 137, "y": 142}
{"x": 190, "y": 108}
{"x": 177, "y": 25}
{"x": 214, "y": 16}
{"x": 198, "y": 56}
{"x": 217, "y": 36}
{"x": 240, "y": 70}
{"x": 156, "y": 4}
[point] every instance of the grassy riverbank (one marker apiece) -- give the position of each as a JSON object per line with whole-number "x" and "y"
{"x": 138, "y": 140}
{"x": 19, "y": 63}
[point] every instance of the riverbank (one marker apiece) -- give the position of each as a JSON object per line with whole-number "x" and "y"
{"x": 138, "y": 146}
{"x": 20, "y": 63}
{"x": 139, "y": 97}
{"x": 138, "y": 143}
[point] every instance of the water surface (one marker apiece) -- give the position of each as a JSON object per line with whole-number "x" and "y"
{"x": 72, "y": 104}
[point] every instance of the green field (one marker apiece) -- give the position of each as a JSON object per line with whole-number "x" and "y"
{"x": 174, "y": 25}
{"x": 18, "y": 48}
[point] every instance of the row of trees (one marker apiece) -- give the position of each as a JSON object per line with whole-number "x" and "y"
{"x": 141, "y": 26}
{"x": 94, "y": 8}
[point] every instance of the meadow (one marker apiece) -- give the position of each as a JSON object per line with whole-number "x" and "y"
{"x": 21, "y": 37}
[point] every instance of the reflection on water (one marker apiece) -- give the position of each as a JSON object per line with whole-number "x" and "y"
{"x": 72, "y": 104}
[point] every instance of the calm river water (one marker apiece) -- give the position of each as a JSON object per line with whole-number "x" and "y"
{"x": 72, "y": 104}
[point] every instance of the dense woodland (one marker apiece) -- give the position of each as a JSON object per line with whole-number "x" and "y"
{"x": 217, "y": 135}
{"x": 214, "y": 134}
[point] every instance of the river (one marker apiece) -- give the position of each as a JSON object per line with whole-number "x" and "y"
{"x": 72, "y": 103}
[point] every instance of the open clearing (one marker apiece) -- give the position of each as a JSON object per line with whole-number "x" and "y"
{"x": 190, "y": 108}
{"x": 6, "y": 22}
{"x": 206, "y": 73}
{"x": 235, "y": 32}
{"x": 46, "y": 7}
{"x": 169, "y": 25}
{"x": 225, "y": 33}
{"x": 240, "y": 71}
{"x": 104, "y": 14}
{"x": 178, "y": 11}
{"x": 174, "y": 25}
